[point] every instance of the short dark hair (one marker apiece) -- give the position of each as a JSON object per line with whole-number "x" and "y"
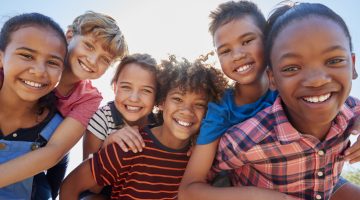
{"x": 288, "y": 13}
{"x": 231, "y": 10}
{"x": 32, "y": 19}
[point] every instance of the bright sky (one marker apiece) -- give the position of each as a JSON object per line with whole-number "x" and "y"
{"x": 162, "y": 27}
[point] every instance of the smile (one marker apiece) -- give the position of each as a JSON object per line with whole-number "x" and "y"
{"x": 317, "y": 99}
{"x": 84, "y": 67}
{"x": 183, "y": 123}
{"x": 243, "y": 68}
{"x": 132, "y": 108}
{"x": 33, "y": 84}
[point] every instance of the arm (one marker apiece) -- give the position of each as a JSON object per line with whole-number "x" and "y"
{"x": 64, "y": 138}
{"x": 91, "y": 144}
{"x": 77, "y": 181}
{"x": 194, "y": 186}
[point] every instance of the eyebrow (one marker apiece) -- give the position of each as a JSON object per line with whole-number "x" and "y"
{"x": 241, "y": 36}
{"x": 333, "y": 48}
{"x": 330, "y": 49}
{"x": 34, "y": 51}
{"x": 129, "y": 83}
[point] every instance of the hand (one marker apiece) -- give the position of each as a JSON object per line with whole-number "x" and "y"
{"x": 127, "y": 137}
{"x": 353, "y": 153}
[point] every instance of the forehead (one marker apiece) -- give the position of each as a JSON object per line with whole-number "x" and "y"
{"x": 42, "y": 39}
{"x": 189, "y": 93}
{"x": 236, "y": 28}
{"x": 313, "y": 33}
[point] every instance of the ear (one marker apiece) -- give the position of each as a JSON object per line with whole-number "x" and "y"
{"x": 355, "y": 74}
{"x": 272, "y": 83}
{"x": 161, "y": 106}
{"x": 1, "y": 59}
{"x": 69, "y": 34}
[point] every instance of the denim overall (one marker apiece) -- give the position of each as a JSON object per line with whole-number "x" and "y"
{"x": 13, "y": 149}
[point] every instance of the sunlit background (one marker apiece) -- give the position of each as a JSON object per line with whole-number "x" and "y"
{"x": 163, "y": 27}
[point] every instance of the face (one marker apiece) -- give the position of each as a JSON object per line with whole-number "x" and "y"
{"x": 239, "y": 47}
{"x": 135, "y": 92}
{"x": 182, "y": 114}
{"x": 32, "y": 62}
{"x": 87, "y": 58}
{"x": 312, "y": 70}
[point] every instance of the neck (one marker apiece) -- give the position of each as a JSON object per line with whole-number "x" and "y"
{"x": 166, "y": 139}
{"x": 246, "y": 94}
{"x": 67, "y": 82}
{"x": 307, "y": 127}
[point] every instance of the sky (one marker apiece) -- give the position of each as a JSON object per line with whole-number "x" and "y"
{"x": 163, "y": 27}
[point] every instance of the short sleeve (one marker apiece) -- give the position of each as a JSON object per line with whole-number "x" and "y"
{"x": 99, "y": 125}
{"x": 106, "y": 165}
{"x": 81, "y": 104}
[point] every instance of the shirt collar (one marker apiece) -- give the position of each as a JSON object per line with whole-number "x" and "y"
{"x": 286, "y": 133}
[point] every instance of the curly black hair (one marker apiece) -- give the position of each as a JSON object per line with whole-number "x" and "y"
{"x": 191, "y": 76}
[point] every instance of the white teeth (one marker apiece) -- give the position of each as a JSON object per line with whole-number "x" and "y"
{"x": 133, "y": 108}
{"x": 243, "y": 68}
{"x": 182, "y": 123}
{"x": 33, "y": 84}
{"x": 317, "y": 99}
{"x": 85, "y": 67}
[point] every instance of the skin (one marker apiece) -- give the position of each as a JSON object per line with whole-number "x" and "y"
{"x": 312, "y": 70}
{"x": 179, "y": 108}
{"x": 34, "y": 54}
{"x": 70, "y": 130}
{"x": 135, "y": 88}
{"x": 238, "y": 45}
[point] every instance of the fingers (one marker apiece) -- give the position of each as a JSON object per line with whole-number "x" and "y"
{"x": 355, "y": 129}
{"x": 353, "y": 153}
{"x": 127, "y": 138}
{"x": 138, "y": 138}
{"x": 188, "y": 153}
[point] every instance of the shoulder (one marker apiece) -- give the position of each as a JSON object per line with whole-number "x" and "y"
{"x": 252, "y": 131}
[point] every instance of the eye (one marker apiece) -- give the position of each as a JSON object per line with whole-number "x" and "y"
{"x": 177, "y": 99}
{"x": 147, "y": 91}
{"x": 290, "y": 68}
{"x": 223, "y": 51}
{"x": 55, "y": 63}
{"x": 26, "y": 56}
{"x": 89, "y": 46}
{"x": 335, "y": 61}
{"x": 125, "y": 87}
{"x": 246, "y": 42}
{"x": 106, "y": 60}
{"x": 201, "y": 105}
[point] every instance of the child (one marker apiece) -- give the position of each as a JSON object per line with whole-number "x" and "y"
{"x": 135, "y": 86}
{"x": 297, "y": 145}
{"x": 155, "y": 173}
{"x": 237, "y": 29}
{"x": 94, "y": 40}
{"x": 32, "y": 54}
{"x": 135, "y": 98}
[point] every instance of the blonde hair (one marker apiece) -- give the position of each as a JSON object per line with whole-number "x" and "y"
{"x": 103, "y": 27}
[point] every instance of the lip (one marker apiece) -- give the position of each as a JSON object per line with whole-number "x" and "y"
{"x": 85, "y": 66}
{"x": 133, "y": 109}
{"x": 244, "y": 68}
{"x": 33, "y": 84}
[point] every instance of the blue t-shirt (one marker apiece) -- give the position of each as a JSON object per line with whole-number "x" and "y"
{"x": 224, "y": 115}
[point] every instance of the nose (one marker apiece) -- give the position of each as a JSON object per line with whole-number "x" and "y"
{"x": 134, "y": 96}
{"x": 38, "y": 69}
{"x": 238, "y": 54}
{"x": 92, "y": 58}
{"x": 187, "y": 110}
{"x": 316, "y": 78}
